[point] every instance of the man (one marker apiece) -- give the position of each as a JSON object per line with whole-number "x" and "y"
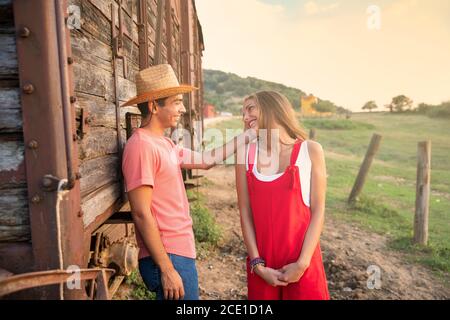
{"x": 151, "y": 167}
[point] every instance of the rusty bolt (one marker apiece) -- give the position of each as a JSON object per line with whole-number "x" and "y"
{"x": 89, "y": 120}
{"x": 78, "y": 175}
{"x": 73, "y": 99}
{"x": 36, "y": 199}
{"x": 28, "y": 88}
{"x": 80, "y": 213}
{"x": 69, "y": 60}
{"x": 24, "y": 32}
{"x": 47, "y": 182}
{"x": 33, "y": 144}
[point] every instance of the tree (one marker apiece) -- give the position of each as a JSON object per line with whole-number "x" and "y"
{"x": 399, "y": 103}
{"x": 342, "y": 110}
{"x": 370, "y": 105}
{"x": 243, "y": 90}
{"x": 324, "y": 106}
{"x": 423, "y": 108}
{"x": 220, "y": 89}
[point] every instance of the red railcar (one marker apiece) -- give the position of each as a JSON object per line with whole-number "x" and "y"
{"x": 65, "y": 67}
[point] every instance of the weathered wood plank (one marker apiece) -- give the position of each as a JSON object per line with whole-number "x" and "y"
{"x": 97, "y": 173}
{"x": 126, "y": 90}
{"x": 8, "y": 56}
{"x": 128, "y": 7}
{"x": 99, "y": 142}
{"x": 86, "y": 48}
{"x": 14, "y": 216}
{"x": 96, "y": 19}
{"x": 90, "y": 79}
{"x": 10, "y": 111}
{"x": 15, "y": 233}
{"x": 98, "y": 202}
{"x": 6, "y": 13}
{"x": 14, "y": 207}
{"x": 102, "y": 112}
{"x": 12, "y": 165}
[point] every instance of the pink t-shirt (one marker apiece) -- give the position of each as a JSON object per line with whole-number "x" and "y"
{"x": 154, "y": 161}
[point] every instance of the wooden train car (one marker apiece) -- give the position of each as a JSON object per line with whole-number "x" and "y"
{"x": 66, "y": 66}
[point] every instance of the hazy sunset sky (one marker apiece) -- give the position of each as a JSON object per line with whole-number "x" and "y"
{"x": 333, "y": 48}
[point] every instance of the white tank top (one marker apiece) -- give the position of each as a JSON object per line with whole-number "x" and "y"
{"x": 303, "y": 162}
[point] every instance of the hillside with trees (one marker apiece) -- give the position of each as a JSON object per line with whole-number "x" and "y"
{"x": 226, "y": 92}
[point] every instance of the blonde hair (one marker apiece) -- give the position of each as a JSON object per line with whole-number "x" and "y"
{"x": 276, "y": 108}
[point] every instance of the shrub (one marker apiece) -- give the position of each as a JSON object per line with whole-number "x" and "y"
{"x": 440, "y": 111}
{"x": 205, "y": 228}
{"x": 139, "y": 291}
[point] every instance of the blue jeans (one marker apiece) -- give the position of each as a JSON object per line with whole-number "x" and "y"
{"x": 186, "y": 268}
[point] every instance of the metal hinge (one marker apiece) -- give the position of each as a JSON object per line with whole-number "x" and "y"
{"x": 84, "y": 120}
{"x": 118, "y": 38}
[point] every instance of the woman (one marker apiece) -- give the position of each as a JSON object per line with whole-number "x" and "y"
{"x": 281, "y": 187}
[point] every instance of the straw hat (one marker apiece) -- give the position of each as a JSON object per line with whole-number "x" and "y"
{"x": 157, "y": 82}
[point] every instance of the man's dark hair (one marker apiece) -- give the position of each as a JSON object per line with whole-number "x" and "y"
{"x": 144, "y": 109}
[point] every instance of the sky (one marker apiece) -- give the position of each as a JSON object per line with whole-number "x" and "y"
{"x": 345, "y": 51}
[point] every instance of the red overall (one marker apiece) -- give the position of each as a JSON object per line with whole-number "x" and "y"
{"x": 281, "y": 220}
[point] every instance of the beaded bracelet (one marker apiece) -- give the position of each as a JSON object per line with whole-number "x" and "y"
{"x": 255, "y": 262}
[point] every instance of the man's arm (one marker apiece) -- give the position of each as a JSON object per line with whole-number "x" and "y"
{"x": 140, "y": 201}
{"x": 209, "y": 159}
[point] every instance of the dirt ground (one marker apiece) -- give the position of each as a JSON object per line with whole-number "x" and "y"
{"x": 348, "y": 252}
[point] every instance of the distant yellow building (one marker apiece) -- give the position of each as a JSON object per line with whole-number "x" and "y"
{"x": 307, "y": 110}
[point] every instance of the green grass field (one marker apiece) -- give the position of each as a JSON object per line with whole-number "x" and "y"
{"x": 387, "y": 202}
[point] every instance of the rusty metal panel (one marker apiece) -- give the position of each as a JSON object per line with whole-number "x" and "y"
{"x": 14, "y": 283}
{"x": 41, "y": 101}
{"x": 75, "y": 241}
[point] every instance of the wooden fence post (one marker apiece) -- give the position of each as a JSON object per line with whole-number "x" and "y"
{"x": 365, "y": 166}
{"x": 422, "y": 192}
{"x": 312, "y": 134}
